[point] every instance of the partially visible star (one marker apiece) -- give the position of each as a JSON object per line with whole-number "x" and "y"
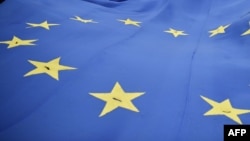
{"x": 224, "y": 108}
{"x": 117, "y": 98}
{"x": 175, "y": 33}
{"x": 15, "y": 42}
{"x": 130, "y": 22}
{"x": 246, "y": 33}
{"x": 219, "y": 30}
{"x": 51, "y": 68}
{"x": 77, "y": 18}
{"x": 44, "y": 24}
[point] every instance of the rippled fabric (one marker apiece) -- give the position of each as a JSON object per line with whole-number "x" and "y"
{"x": 186, "y": 57}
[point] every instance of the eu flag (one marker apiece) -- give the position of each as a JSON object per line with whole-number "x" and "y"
{"x": 123, "y": 70}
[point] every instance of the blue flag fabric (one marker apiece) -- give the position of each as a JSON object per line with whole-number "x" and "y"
{"x": 123, "y": 70}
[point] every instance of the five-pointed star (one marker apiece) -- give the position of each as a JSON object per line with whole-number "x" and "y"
{"x": 77, "y": 18}
{"x": 224, "y": 108}
{"x": 44, "y": 24}
{"x": 129, "y": 21}
{"x": 175, "y": 33}
{"x": 246, "y": 33}
{"x": 219, "y": 30}
{"x": 51, "y": 68}
{"x": 18, "y": 42}
{"x": 117, "y": 98}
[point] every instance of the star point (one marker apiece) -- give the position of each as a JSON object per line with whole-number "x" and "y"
{"x": 117, "y": 98}
{"x": 175, "y": 32}
{"x": 246, "y": 33}
{"x": 77, "y": 18}
{"x": 15, "y": 42}
{"x": 51, "y": 68}
{"x": 224, "y": 108}
{"x": 219, "y": 30}
{"x": 44, "y": 25}
{"x": 130, "y": 22}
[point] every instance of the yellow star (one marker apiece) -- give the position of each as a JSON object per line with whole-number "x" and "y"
{"x": 117, "y": 98}
{"x": 18, "y": 42}
{"x": 219, "y": 30}
{"x": 44, "y": 24}
{"x": 175, "y": 33}
{"x": 224, "y": 108}
{"x": 51, "y": 68}
{"x": 246, "y": 33}
{"x": 129, "y": 21}
{"x": 77, "y": 18}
